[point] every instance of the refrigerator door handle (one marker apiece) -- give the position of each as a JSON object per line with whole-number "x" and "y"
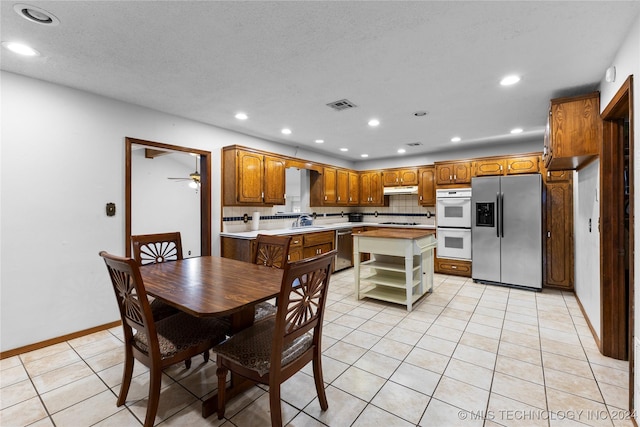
{"x": 502, "y": 214}
{"x": 498, "y": 215}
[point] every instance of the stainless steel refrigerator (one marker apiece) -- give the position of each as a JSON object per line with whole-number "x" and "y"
{"x": 506, "y": 230}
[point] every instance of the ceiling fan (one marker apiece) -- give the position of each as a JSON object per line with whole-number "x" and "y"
{"x": 194, "y": 177}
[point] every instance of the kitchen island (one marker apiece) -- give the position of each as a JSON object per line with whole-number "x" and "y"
{"x": 400, "y": 268}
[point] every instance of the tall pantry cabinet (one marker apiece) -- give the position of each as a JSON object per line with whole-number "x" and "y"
{"x": 558, "y": 242}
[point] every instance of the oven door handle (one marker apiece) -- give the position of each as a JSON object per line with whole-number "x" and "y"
{"x": 454, "y": 201}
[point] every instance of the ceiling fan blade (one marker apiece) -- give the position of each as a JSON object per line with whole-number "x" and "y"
{"x": 181, "y": 179}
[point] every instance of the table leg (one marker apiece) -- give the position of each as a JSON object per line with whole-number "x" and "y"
{"x": 239, "y": 321}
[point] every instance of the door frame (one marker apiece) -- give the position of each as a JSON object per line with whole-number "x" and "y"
{"x": 205, "y": 190}
{"x": 617, "y": 302}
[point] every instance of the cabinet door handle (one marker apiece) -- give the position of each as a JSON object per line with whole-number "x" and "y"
{"x": 454, "y": 267}
{"x": 454, "y": 177}
{"x": 450, "y": 178}
{"x": 548, "y": 234}
{"x": 325, "y": 197}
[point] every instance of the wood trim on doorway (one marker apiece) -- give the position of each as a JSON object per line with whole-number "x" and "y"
{"x": 617, "y": 301}
{"x": 205, "y": 190}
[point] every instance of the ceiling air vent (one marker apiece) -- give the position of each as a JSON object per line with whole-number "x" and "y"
{"x": 414, "y": 144}
{"x": 343, "y": 104}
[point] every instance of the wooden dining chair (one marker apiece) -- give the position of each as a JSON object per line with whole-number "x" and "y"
{"x": 272, "y": 350}
{"x": 157, "y": 345}
{"x": 155, "y": 248}
{"x": 271, "y": 251}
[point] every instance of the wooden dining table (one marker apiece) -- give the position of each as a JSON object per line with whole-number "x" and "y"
{"x": 211, "y": 286}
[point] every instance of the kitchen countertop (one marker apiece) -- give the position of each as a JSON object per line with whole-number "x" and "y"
{"x": 320, "y": 227}
{"x": 389, "y": 233}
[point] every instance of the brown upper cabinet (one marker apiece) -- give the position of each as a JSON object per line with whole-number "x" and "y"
{"x": 573, "y": 133}
{"x": 427, "y": 186}
{"x": 342, "y": 187}
{"x": 399, "y": 177}
{"x": 453, "y": 173}
{"x": 511, "y": 165}
{"x": 334, "y": 187}
{"x": 252, "y": 178}
{"x": 371, "y": 193}
{"x": 354, "y": 188}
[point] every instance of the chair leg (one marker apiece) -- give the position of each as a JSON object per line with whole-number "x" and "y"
{"x": 317, "y": 377}
{"x": 275, "y": 405}
{"x": 155, "y": 381}
{"x": 205, "y": 355}
{"x": 187, "y": 363}
{"x": 126, "y": 376}
{"x": 221, "y": 372}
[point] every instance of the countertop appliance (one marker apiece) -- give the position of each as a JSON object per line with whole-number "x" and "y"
{"x": 453, "y": 208}
{"x": 507, "y": 230}
{"x": 355, "y": 217}
{"x": 344, "y": 257}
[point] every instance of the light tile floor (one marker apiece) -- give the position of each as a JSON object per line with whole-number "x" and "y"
{"x": 468, "y": 354}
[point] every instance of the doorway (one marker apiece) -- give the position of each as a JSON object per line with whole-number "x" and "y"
{"x": 204, "y": 164}
{"x": 617, "y": 229}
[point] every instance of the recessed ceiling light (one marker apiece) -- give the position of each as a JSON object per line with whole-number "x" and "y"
{"x": 364, "y": 155}
{"x": 510, "y": 80}
{"x": 319, "y": 141}
{"x": 286, "y": 131}
{"x": 36, "y": 14}
{"x": 401, "y": 150}
{"x": 420, "y": 113}
{"x": 374, "y": 122}
{"x": 21, "y": 49}
{"x": 344, "y": 149}
{"x": 456, "y": 139}
{"x": 516, "y": 130}
{"x": 241, "y": 116}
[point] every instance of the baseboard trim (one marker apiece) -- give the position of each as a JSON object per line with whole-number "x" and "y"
{"x": 586, "y": 318}
{"x": 57, "y": 340}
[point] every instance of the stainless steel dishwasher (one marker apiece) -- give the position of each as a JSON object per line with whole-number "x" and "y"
{"x": 344, "y": 258}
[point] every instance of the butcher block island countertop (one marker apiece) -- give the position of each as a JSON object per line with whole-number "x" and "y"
{"x": 401, "y": 266}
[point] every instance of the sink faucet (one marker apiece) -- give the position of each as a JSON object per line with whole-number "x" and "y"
{"x": 302, "y": 220}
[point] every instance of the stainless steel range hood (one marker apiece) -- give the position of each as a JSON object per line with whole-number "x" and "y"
{"x": 413, "y": 189}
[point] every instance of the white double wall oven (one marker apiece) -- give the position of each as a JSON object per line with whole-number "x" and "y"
{"x": 453, "y": 216}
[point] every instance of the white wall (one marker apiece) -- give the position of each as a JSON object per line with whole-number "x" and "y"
{"x": 586, "y": 199}
{"x": 62, "y": 159}
{"x": 161, "y": 205}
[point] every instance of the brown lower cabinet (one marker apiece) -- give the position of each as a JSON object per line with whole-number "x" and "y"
{"x": 295, "y": 248}
{"x": 454, "y": 267}
{"x": 558, "y": 230}
{"x": 305, "y": 245}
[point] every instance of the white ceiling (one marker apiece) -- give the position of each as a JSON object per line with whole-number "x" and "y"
{"x": 282, "y": 62}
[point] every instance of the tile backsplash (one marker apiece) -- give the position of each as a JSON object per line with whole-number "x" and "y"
{"x": 402, "y": 208}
